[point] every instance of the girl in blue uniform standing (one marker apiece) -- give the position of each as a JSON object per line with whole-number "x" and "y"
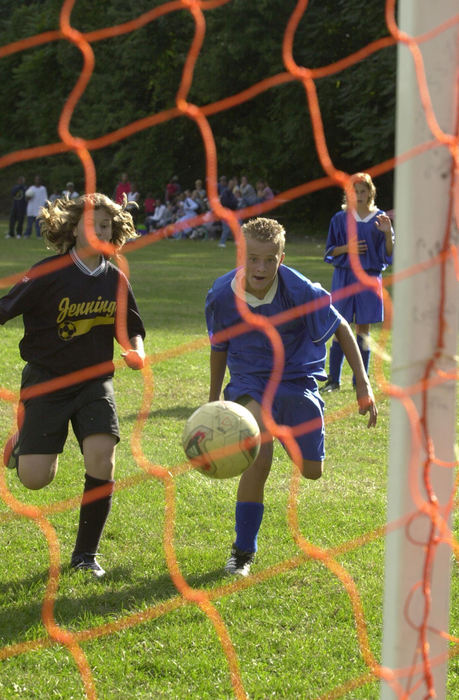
{"x": 375, "y": 242}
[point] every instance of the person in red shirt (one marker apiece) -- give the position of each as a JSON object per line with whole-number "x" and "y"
{"x": 172, "y": 189}
{"x": 122, "y": 188}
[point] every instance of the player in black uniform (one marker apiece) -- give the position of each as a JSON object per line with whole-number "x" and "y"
{"x": 73, "y": 305}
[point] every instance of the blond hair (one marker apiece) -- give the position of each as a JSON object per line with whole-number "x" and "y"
{"x": 365, "y": 179}
{"x": 59, "y": 219}
{"x": 266, "y": 230}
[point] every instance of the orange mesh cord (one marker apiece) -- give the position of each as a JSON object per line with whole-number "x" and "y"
{"x": 427, "y": 507}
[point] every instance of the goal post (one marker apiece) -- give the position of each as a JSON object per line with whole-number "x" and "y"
{"x": 424, "y": 345}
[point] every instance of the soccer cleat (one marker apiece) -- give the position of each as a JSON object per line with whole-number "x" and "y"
{"x": 10, "y": 452}
{"x": 87, "y": 562}
{"x": 239, "y": 562}
{"x": 330, "y": 385}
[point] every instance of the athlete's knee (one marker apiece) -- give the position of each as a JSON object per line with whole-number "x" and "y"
{"x": 37, "y": 471}
{"x": 312, "y": 470}
{"x": 99, "y": 456}
{"x": 261, "y": 466}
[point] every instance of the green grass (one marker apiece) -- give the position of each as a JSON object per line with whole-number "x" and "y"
{"x": 292, "y": 626}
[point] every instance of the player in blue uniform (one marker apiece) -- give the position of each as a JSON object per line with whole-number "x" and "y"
{"x": 375, "y": 241}
{"x": 71, "y": 316}
{"x": 271, "y": 288}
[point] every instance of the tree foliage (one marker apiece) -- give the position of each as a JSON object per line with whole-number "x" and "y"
{"x": 138, "y": 74}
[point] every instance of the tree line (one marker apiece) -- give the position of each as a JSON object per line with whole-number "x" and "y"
{"x": 138, "y": 74}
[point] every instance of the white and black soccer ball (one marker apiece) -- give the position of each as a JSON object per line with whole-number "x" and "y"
{"x": 222, "y": 439}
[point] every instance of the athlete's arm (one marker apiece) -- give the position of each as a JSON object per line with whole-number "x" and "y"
{"x": 217, "y": 373}
{"x": 341, "y": 249}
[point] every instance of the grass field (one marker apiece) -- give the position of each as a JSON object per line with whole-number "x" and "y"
{"x": 291, "y": 625}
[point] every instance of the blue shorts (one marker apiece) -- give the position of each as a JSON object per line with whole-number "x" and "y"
{"x": 364, "y": 307}
{"x": 297, "y": 401}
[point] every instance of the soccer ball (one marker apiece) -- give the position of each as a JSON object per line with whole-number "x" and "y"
{"x": 221, "y": 439}
{"x": 66, "y": 330}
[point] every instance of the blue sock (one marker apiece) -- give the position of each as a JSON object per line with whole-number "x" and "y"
{"x": 336, "y": 361}
{"x": 248, "y": 520}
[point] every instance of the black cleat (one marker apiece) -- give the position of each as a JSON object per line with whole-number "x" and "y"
{"x": 330, "y": 385}
{"x": 87, "y": 562}
{"x": 239, "y": 562}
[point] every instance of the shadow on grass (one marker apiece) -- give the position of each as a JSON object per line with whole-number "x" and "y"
{"x": 74, "y": 611}
{"x": 180, "y": 412}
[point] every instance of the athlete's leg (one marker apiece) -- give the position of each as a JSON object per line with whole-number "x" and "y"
{"x": 37, "y": 471}
{"x": 252, "y": 481}
{"x": 363, "y": 341}
{"x": 312, "y": 469}
{"x": 345, "y": 305}
{"x": 99, "y": 459}
{"x": 335, "y": 363}
{"x": 249, "y": 505}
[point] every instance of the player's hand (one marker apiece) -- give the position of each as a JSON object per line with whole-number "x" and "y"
{"x": 367, "y": 404}
{"x": 383, "y": 223}
{"x": 134, "y": 359}
{"x": 362, "y": 247}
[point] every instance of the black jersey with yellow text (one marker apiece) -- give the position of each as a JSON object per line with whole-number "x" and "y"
{"x": 69, "y": 313}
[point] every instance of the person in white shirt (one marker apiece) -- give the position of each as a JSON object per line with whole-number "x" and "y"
{"x": 154, "y": 221}
{"x": 36, "y": 196}
{"x": 188, "y": 208}
{"x": 70, "y": 191}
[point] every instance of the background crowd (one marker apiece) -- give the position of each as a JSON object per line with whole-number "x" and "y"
{"x": 151, "y": 211}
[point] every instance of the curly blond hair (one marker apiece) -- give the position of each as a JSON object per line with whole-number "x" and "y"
{"x": 59, "y": 219}
{"x": 266, "y": 230}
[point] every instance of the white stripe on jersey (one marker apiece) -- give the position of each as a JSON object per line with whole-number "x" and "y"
{"x": 84, "y": 268}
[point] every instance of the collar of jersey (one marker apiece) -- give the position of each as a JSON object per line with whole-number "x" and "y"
{"x": 366, "y": 219}
{"x": 250, "y": 298}
{"x": 84, "y": 268}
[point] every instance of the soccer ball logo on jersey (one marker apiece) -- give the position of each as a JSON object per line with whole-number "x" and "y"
{"x": 66, "y": 330}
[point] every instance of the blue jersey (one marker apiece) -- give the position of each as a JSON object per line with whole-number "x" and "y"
{"x": 375, "y": 259}
{"x": 303, "y": 337}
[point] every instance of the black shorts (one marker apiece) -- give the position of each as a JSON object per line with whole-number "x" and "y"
{"x": 89, "y": 406}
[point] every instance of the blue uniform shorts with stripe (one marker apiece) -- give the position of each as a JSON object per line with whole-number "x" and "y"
{"x": 297, "y": 401}
{"x": 89, "y": 406}
{"x": 365, "y": 306}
